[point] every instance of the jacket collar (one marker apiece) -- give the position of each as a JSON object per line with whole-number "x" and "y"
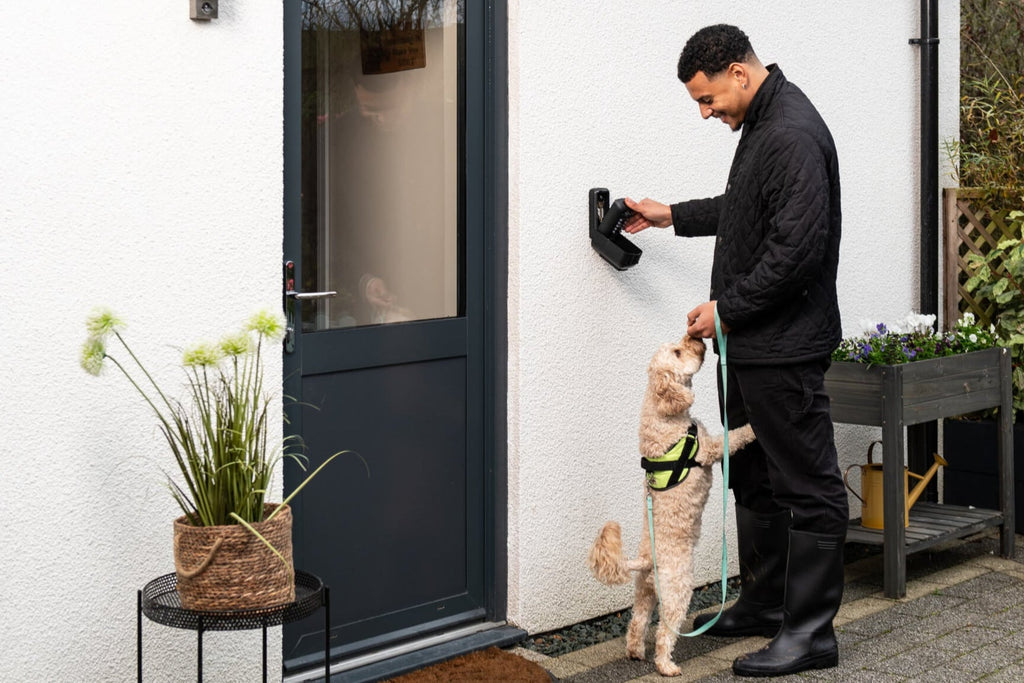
{"x": 762, "y": 101}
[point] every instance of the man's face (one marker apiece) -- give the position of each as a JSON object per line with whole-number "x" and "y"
{"x": 720, "y": 97}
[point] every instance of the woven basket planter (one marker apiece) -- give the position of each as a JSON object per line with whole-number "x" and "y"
{"x": 227, "y": 567}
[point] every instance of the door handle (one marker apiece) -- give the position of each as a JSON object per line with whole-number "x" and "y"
{"x": 289, "y": 287}
{"x": 308, "y": 296}
{"x": 290, "y": 296}
{"x": 289, "y": 329}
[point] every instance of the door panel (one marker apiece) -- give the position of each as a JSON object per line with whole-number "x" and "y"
{"x": 396, "y": 531}
{"x": 379, "y": 210}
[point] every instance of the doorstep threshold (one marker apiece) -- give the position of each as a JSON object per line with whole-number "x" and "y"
{"x": 404, "y": 657}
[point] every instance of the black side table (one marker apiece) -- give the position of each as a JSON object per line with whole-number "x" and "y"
{"x": 160, "y": 602}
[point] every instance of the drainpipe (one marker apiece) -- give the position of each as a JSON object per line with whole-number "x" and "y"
{"x": 922, "y": 439}
{"x": 929, "y": 43}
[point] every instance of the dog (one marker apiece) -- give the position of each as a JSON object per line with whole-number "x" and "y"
{"x": 664, "y": 422}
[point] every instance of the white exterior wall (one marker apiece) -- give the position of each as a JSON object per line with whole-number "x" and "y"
{"x": 594, "y": 102}
{"x": 141, "y": 170}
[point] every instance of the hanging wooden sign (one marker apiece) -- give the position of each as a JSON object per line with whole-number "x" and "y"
{"x": 392, "y": 49}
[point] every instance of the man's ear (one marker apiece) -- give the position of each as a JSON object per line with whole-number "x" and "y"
{"x": 738, "y": 72}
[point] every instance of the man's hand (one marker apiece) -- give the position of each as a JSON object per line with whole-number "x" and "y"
{"x": 648, "y": 213}
{"x": 700, "y": 322}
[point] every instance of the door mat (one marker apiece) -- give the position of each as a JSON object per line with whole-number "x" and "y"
{"x": 492, "y": 664}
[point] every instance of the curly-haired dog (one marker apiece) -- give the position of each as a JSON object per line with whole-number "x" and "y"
{"x": 665, "y": 423}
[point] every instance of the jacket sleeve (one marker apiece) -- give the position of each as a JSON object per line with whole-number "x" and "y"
{"x": 796, "y": 195}
{"x": 697, "y": 218}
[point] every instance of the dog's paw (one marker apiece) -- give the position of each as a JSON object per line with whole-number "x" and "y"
{"x": 706, "y": 457}
{"x": 666, "y": 667}
{"x": 634, "y": 652}
{"x": 746, "y": 435}
{"x": 738, "y": 439}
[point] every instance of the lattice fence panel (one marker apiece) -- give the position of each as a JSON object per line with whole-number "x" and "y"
{"x": 971, "y": 224}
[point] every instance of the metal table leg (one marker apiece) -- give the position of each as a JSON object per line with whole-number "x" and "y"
{"x": 199, "y": 650}
{"x": 138, "y": 635}
{"x": 264, "y": 651}
{"x": 327, "y": 635}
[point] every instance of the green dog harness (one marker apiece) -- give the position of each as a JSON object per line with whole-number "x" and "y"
{"x": 671, "y": 469}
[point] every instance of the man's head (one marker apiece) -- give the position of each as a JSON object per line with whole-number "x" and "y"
{"x": 721, "y": 72}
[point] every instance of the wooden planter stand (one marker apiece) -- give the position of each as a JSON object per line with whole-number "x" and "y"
{"x": 894, "y": 397}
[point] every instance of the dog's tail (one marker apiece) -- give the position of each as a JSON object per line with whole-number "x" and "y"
{"x": 606, "y": 561}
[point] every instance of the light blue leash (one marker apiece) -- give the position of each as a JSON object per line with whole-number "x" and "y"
{"x": 725, "y": 492}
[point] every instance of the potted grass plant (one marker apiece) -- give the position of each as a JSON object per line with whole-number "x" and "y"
{"x": 232, "y": 547}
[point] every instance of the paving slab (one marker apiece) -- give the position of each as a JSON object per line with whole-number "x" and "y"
{"x": 961, "y": 620}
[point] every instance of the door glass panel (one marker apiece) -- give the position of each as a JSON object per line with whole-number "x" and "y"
{"x": 381, "y": 154}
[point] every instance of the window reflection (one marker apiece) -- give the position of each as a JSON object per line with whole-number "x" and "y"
{"x": 381, "y": 160}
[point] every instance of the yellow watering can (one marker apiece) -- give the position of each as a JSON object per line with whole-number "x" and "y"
{"x": 871, "y": 486}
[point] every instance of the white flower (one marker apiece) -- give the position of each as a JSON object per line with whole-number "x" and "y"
{"x": 973, "y": 337}
{"x": 916, "y": 322}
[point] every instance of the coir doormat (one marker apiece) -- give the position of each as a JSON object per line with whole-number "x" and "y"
{"x": 492, "y": 664}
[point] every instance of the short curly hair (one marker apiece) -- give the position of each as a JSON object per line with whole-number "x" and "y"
{"x": 712, "y": 49}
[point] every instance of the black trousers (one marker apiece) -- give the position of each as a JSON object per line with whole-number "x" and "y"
{"x": 793, "y": 463}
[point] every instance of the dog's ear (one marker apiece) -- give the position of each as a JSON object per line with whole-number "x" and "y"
{"x": 673, "y": 397}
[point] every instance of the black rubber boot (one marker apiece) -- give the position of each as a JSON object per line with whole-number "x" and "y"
{"x": 763, "y": 547}
{"x": 814, "y": 589}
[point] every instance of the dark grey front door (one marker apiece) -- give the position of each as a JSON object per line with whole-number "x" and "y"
{"x": 384, "y": 207}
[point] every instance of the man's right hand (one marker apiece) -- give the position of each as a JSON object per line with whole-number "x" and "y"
{"x": 647, "y": 213}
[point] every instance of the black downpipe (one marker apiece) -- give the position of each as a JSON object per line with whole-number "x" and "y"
{"x": 922, "y": 439}
{"x": 929, "y": 43}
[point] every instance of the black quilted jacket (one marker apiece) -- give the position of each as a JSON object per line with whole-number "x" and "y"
{"x": 777, "y": 232}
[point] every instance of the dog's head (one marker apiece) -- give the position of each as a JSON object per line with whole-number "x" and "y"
{"x": 670, "y": 374}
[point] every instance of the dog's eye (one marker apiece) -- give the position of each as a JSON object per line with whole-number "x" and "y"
{"x": 677, "y": 352}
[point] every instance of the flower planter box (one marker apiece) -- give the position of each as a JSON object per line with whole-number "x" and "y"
{"x": 894, "y": 397}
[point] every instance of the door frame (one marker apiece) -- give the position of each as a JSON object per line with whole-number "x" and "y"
{"x": 489, "y": 38}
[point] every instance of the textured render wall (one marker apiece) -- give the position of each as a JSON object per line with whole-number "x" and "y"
{"x": 142, "y": 170}
{"x": 595, "y": 102}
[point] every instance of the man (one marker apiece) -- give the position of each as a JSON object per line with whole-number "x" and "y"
{"x": 773, "y": 282}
